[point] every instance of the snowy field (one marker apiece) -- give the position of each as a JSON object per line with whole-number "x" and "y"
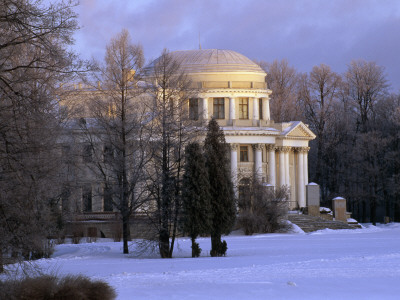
{"x": 341, "y": 264}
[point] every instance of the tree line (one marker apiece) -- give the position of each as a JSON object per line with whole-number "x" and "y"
{"x": 356, "y": 121}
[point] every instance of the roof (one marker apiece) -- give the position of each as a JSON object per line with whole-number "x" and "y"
{"x": 213, "y": 60}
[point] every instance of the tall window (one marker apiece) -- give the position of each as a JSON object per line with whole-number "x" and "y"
{"x": 244, "y": 153}
{"x": 260, "y": 108}
{"x": 243, "y": 108}
{"x": 193, "y": 108}
{"x": 108, "y": 205}
{"x": 87, "y": 198}
{"x": 219, "y": 108}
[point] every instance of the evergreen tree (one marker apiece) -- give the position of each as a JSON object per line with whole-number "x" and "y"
{"x": 221, "y": 188}
{"x": 195, "y": 196}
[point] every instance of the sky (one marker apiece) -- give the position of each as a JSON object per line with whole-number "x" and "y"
{"x": 305, "y": 32}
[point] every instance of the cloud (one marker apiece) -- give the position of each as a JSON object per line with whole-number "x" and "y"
{"x": 306, "y": 32}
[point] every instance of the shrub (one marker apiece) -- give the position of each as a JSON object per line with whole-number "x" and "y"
{"x": 196, "y": 250}
{"x": 53, "y": 288}
{"x": 264, "y": 209}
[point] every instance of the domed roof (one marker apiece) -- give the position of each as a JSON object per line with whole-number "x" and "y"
{"x": 214, "y": 60}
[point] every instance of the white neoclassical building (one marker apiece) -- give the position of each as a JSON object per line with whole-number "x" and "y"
{"x": 232, "y": 89}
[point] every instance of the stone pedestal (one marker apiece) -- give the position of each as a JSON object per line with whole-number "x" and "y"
{"x": 339, "y": 209}
{"x": 312, "y": 198}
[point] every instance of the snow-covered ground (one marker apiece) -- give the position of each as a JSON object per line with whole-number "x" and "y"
{"x": 341, "y": 264}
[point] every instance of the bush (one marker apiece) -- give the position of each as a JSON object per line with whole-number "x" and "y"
{"x": 264, "y": 210}
{"x": 219, "y": 249}
{"x": 53, "y": 288}
{"x": 196, "y": 250}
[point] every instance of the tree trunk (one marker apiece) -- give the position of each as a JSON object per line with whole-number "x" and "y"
{"x": 193, "y": 247}
{"x": 125, "y": 232}
{"x": 215, "y": 244}
{"x": 164, "y": 243}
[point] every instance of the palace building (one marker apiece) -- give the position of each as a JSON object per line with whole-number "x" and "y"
{"x": 232, "y": 89}
{"x": 228, "y": 87}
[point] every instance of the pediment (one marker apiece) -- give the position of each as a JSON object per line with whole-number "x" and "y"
{"x": 298, "y": 130}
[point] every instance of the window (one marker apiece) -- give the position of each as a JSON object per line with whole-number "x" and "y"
{"x": 87, "y": 198}
{"x": 108, "y": 154}
{"x": 87, "y": 153}
{"x": 260, "y": 108}
{"x": 193, "y": 109}
{"x": 244, "y": 153}
{"x": 219, "y": 108}
{"x": 243, "y": 108}
{"x": 108, "y": 204}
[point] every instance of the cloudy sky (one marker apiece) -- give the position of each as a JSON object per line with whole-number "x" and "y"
{"x": 305, "y": 32}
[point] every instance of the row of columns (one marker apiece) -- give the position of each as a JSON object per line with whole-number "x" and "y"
{"x": 284, "y": 166}
{"x": 232, "y": 108}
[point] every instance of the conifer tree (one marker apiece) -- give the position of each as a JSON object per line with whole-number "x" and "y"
{"x": 221, "y": 188}
{"x": 195, "y": 196}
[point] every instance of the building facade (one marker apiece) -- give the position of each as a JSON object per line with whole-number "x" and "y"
{"x": 232, "y": 89}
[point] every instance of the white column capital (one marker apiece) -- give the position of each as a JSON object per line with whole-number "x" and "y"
{"x": 258, "y": 147}
{"x": 234, "y": 147}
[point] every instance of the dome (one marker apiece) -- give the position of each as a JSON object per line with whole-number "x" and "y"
{"x": 214, "y": 60}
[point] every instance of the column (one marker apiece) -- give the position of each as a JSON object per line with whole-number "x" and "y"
{"x": 232, "y": 114}
{"x": 234, "y": 148}
{"x": 281, "y": 167}
{"x": 305, "y": 163}
{"x": 271, "y": 165}
{"x": 258, "y": 161}
{"x": 287, "y": 165}
{"x": 265, "y": 108}
{"x": 256, "y": 115}
{"x": 300, "y": 178}
{"x": 205, "y": 108}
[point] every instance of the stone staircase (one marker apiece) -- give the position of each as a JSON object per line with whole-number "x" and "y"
{"x": 310, "y": 223}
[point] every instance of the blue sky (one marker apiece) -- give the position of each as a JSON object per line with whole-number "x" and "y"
{"x": 305, "y": 32}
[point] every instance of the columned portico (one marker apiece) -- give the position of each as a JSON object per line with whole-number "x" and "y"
{"x": 234, "y": 172}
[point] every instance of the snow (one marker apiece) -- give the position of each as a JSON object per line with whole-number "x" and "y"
{"x": 325, "y": 210}
{"x": 328, "y": 264}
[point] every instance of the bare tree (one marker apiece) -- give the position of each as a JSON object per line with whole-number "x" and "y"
{"x": 170, "y": 91}
{"x": 119, "y": 138}
{"x": 318, "y": 94}
{"x": 365, "y": 85}
{"x": 33, "y": 61}
{"x": 282, "y": 80}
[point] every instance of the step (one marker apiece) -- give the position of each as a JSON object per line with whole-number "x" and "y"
{"x": 310, "y": 223}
